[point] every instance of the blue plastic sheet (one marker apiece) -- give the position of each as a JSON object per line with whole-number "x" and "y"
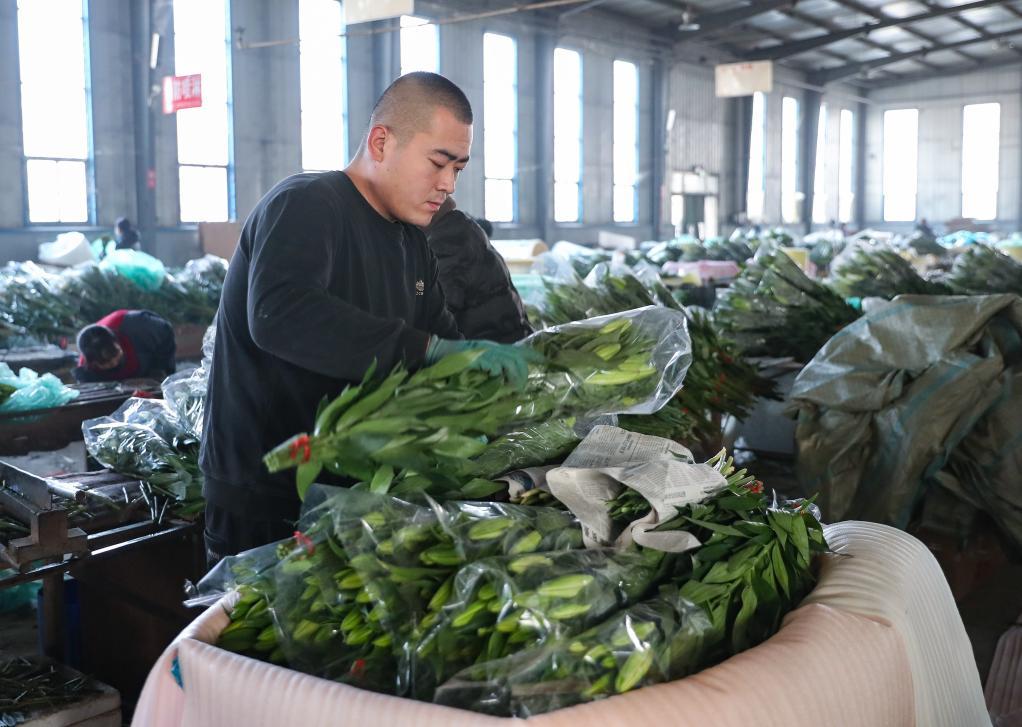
{"x": 33, "y": 391}
{"x": 143, "y": 270}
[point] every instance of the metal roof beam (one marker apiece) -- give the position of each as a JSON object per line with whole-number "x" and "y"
{"x": 714, "y": 21}
{"x": 786, "y": 50}
{"x": 777, "y": 36}
{"x": 829, "y": 75}
{"x": 874, "y": 12}
{"x": 827, "y": 25}
{"x": 581, "y": 8}
{"x": 966, "y": 23}
{"x": 901, "y": 80}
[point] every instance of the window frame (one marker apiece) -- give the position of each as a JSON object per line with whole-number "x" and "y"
{"x": 853, "y": 170}
{"x": 796, "y": 208}
{"x": 515, "y": 135}
{"x": 342, "y": 37}
{"x": 883, "y": 167}
{"x": 761, "y": 191}
{"x": 435, "y": 30}
{"x": 229, "y": 111}
{"x": 579, "y": 211}
{"x": 638, "y": 113}
{"x": 89, "y": 161}
{"x": 997, "y": 171}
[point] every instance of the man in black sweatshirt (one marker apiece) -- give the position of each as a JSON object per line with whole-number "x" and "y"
{"x": 331, "y": 274}
{"x": 477, "y": 284}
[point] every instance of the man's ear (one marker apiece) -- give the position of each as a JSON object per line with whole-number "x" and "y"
{"x": 376, "y": 141}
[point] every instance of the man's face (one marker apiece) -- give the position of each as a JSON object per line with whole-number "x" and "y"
{"x": 112, "y": 362}
{"x": 418, "y": 174}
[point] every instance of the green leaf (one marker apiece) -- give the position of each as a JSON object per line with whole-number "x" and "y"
{"x": 740, "y": 630}
{"x": 740, "y": 503}
{"x": 782, "y": 533}
{"x": 766, "y": 586}
{"x": 717, "y": 527}
{"x": 371, "y": 401}
{"x": 752, "y": 527}
{"x": 479, "y": 488}
{"x": 710, "y": 554}
{"x": 719, "y": 573}
{"x": 307, "y": 474}
{"x": 384, "y": 425}
{"x": 325, "y": 419}
{"x": 382, "y": 479}
{"x": 780, "y": 569}
{"x": 743, "y": 556}
{"x": 800, "y": 538}
{"x": 449, "y": 365}
{"x": 698, "y": 592}
{"x": 782, "y": 518}
{"x": 460, "y": 447}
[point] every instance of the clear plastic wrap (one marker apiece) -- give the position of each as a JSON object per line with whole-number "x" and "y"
{"x": 773, "y": 309}
{"x": 28, "y": 391}
{"x": 432, "y": 422}
{"x": 642, "y": 355}
{"x": 501, "y": 605}
{"x": 31, "y": 303}
{"x": 145, "y": 438}
{"x": 873, "y": 270}
{"x": 529, "y": 446}
{"x": 407, "y": 558}
{"x": 496, "y": 607}
{"x": 657, "y": 640}
{"x": 186, "y": 391}
{"x": 351, "y": 598}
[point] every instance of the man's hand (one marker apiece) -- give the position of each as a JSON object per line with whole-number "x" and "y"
{"x": 497, "y": 358}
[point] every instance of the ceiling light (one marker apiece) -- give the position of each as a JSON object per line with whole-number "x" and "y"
{"x": 687, "y": 25}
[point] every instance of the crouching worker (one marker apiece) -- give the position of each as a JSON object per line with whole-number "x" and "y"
{"x": 126, "y": 344}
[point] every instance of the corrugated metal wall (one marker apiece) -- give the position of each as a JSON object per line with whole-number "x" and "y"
{"x": 702, "y": 130}
{"x": 940, "y": 102}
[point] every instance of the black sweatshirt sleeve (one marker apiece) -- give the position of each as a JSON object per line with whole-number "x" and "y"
{"x": 441, "y": 322}
{"x": 291, "y": 313}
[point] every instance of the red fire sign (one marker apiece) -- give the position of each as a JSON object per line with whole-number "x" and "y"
{"x": 181, "y": 92}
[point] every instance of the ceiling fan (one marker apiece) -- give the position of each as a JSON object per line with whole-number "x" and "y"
{"x": 687, "y": 22}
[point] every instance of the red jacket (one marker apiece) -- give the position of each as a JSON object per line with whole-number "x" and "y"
{"x": 148, "y": 344}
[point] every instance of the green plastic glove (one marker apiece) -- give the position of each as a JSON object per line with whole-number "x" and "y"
{"x": 498, "y": 358}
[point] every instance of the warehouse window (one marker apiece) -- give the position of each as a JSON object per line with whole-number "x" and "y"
{"x": 55, "y": 109}
{"x": 981, "y": 135}
{"x": 323, "y": 85}
{"x": 789, "y": 160}
{"x": 420, "y": 45}
{"x": 626, "y": 140}
{"x": 202, "y": 45}
{"x": 901, "y": 156}
{"x": 846, "y": 167}
{"x": 755, "y": 191}
{"x": 567, "y": 135}
{"x": 677, "y": 211}
{"x": 820, "y": 173}
{"x": 500, "y": 125}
